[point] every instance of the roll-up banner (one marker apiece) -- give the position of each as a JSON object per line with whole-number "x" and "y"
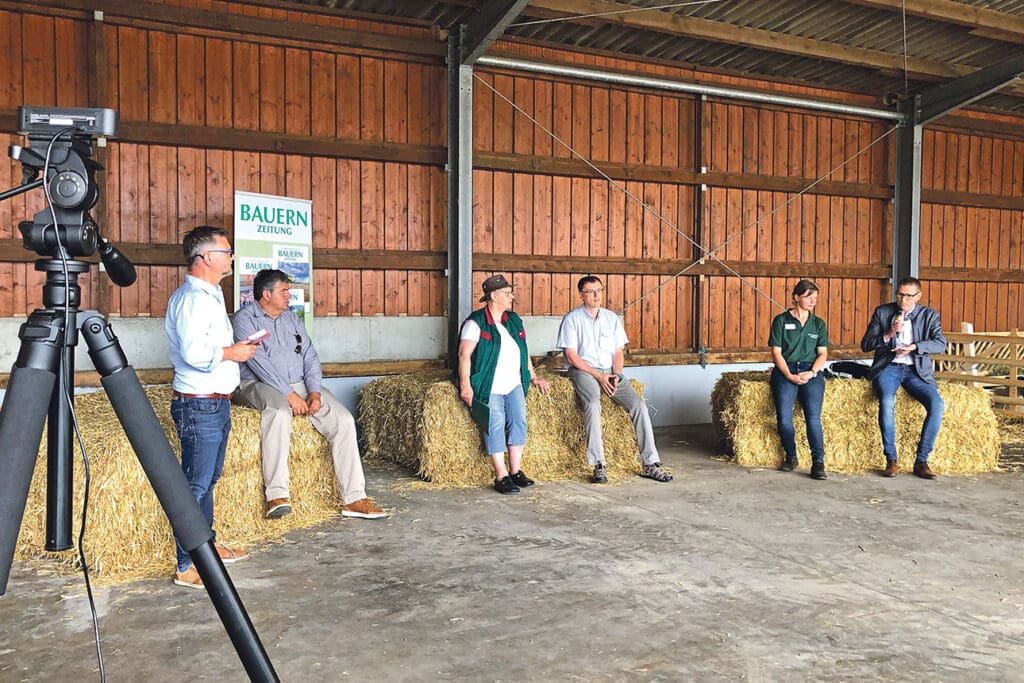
{"x": 275, "y": 232}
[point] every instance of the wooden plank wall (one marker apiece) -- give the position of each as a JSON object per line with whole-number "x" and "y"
{"x": 153, "y": 193}
{"x": 839, "y": 229}
{"x": 971, "y": 256}
{"x": 799, "y": 231}
{"x": 55, "y": 73}
{"x": 217, "y": 96}
{"x": 582, "y": 219}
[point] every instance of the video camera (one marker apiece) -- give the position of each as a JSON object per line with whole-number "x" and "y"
{"x": 60, "y": 147}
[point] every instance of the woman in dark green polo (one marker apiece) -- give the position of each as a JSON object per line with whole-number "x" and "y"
{"x": 799, "y": 344}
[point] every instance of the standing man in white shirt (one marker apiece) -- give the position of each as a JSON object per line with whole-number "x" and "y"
{"x": 593, "y": 339}
{"x": 205, "y": 358}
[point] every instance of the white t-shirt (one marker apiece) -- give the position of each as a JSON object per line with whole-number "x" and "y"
{"x": 906, "y": 337}
{"x": 508, "y": 372}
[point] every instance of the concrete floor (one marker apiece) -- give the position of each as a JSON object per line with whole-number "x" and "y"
{"x": 722, "y": 574}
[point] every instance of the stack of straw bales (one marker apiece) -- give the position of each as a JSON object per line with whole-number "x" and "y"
{"x": 419, "y": 421}
{"x": 128, "y": 537}
{"x": 744, "y": 416}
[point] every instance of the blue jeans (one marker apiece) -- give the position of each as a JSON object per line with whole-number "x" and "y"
{"x": 811, "y": 395}
{"x": 508, "y": 413}
{"x": 891, "y": 378}
{"x": 203, "y": 426}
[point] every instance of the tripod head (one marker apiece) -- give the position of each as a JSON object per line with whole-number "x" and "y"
{"x": 60, "y": 148}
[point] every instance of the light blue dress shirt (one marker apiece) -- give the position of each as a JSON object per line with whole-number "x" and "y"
{"x": 198, "y": 330}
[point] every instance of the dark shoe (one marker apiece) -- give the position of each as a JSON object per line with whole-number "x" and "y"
{"x": 278, "y": 507}
{"x": 655, "y": 472}
{"x": 788, "y": 465}
{"x": 505, "y": 485}
{"x": 891, "y": 468}
{"x": 818, "y": 471}
{"x": 922, "y": 470}
{"x": 600, "y": 474}
{"x": 521, "y": 480}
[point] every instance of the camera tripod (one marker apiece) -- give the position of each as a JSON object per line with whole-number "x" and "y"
{"x": 44, "y": 371}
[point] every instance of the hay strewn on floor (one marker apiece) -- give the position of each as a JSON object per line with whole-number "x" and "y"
{"x": 744, "y": 416}
{"x": 128, "y": 537}
{"x": 419, "y": 421}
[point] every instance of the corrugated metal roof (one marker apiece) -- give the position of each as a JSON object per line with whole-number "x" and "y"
{"x": 759, "y": 31}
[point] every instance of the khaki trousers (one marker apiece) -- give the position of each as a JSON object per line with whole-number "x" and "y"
{"x": 332, "y": 420}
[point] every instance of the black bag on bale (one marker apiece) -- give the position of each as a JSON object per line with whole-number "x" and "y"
{"x": 849, "y": 368}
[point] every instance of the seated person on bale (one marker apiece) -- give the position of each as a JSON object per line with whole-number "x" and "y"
{"x": 284, "y": 379}
{"x": 592, "y": 338}
{"x": 799, "y": 344}
{"x": 902, "y": 335}
{"x": 493, "y": 376}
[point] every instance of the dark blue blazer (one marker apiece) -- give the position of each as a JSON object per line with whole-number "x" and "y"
{"x": 927, "y": 335}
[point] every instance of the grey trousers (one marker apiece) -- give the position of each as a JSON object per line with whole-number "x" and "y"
{"x": 332, "y": 420}
{"x": 588, "y": 391}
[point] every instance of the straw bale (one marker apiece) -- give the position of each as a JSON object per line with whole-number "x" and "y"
{"x": 744, "y": 416}
{"x": 419, "y": 421}
{"x": 1011, "y": 436}
{"x": 1011, "y": 429}
{"x": 128, "y": 537}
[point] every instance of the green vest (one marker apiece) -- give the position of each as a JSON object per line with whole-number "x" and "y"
{"x": 485, "y": 359}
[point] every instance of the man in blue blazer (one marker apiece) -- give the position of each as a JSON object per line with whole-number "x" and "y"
{"x": 902, "y": 335}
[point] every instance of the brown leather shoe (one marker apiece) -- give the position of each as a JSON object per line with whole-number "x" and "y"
{"x": 188, "y": 578}
{"x": 891, "y": 469}
{"x": 229, "y": 556}
{"x": 363, "y": 508}
{"x": 278, "y": 507}
{"x": 922, "y": 470}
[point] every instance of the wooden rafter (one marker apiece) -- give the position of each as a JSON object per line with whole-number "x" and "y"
{"x": 717, "y": 31}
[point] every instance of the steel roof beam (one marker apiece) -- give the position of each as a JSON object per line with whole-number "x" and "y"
{"x": 484, "y": 27}
{"x": 938, "y": 101}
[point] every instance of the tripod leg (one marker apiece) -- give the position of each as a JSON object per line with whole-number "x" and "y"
{"x": 161, "y": 466}
{"x": 21, "y": 428}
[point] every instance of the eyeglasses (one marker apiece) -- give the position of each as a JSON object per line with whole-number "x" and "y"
{"x": 298, "y": 343}
{"x": 592, "y": 291}
{"x": 229, "y": 252}
{"x": 905, "y": 295}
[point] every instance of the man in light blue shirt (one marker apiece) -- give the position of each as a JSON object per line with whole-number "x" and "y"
{"x": 593, "y": 339}
{"x": 205, "y": 358}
